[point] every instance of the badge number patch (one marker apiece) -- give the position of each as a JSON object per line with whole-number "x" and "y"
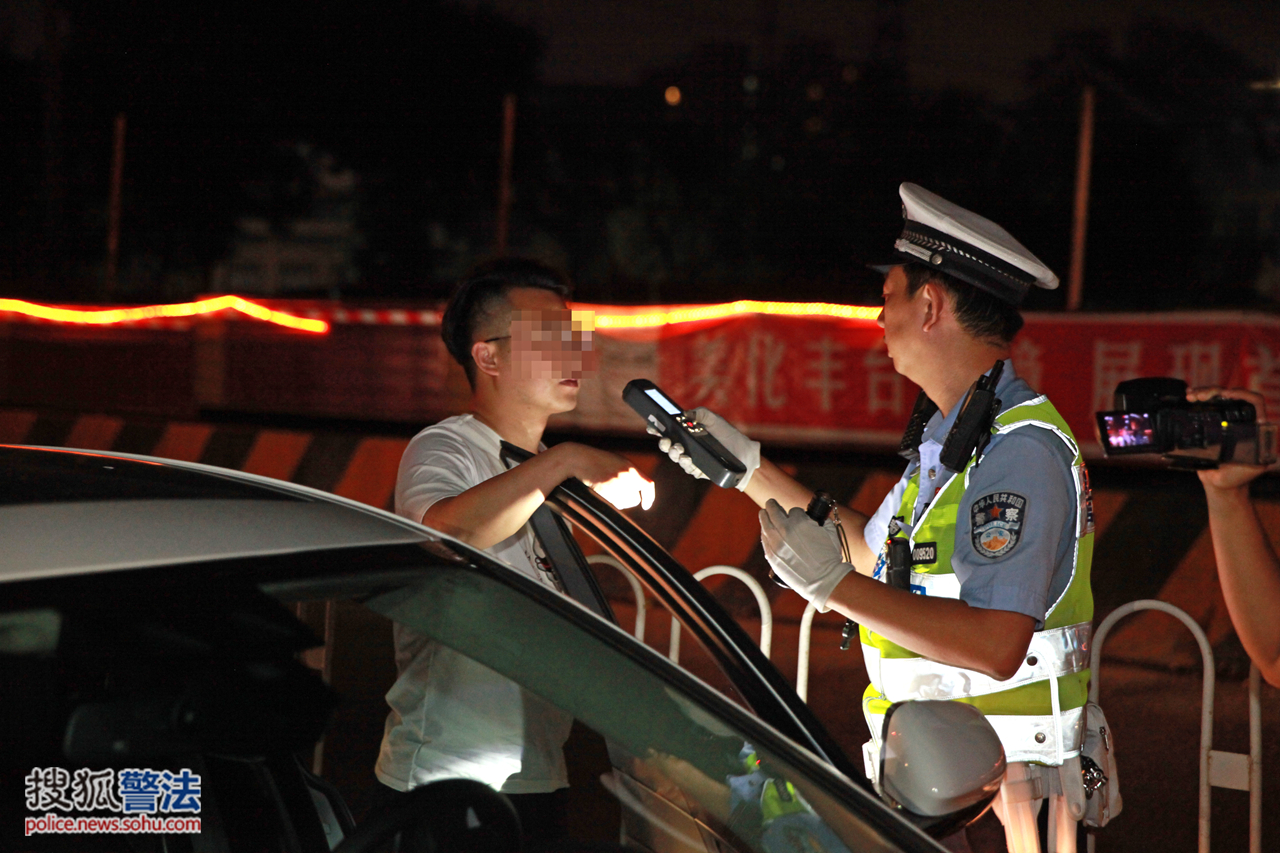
{"x": 996, "y": 521}
{"x": 924, "y": 554}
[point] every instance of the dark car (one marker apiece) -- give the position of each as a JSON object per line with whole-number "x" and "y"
{"x": 150, "y": 654}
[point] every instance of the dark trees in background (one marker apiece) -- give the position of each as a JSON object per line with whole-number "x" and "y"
{"x": 774, "y": 176}
{"x": 20, "y": 169}
{"x": 1183, "y": 183}
{"x": 219, "y": 96}
{"x": 775, "y": 182}
{"x": 781, "y": 181}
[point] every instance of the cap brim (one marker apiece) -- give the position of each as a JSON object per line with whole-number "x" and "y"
{"x": 999, "y": 289}
{"x": 883, "y": 268}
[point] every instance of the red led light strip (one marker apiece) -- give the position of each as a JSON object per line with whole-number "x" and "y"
{"x": 319, "y": 319}
{"x": 697, "y": 313}
{"x": 115, "y": 316}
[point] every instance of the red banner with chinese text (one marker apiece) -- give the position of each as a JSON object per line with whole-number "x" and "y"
{"x": 826, "y": 380}
{"x": 786, "y": 372}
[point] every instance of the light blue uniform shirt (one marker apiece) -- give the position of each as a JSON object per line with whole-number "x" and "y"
{"x": 1031, "y": 462}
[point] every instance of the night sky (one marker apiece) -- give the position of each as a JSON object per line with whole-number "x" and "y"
{"x": 977, "y": 44}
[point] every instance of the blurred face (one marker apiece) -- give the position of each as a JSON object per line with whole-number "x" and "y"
{"x": 547, "y": 349}
{"x": 553, "y": 343}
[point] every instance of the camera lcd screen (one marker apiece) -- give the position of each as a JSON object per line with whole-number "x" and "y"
{"x": 667, "y": 406}
{"x": 1134, "y": 431}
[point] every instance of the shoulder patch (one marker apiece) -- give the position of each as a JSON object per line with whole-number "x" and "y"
{"x": 996, "y": 522}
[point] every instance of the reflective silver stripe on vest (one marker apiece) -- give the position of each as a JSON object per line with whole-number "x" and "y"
{"x": 1052, "y": 653}
{"x": 938, "y": 586}
{"x": 1018, "y": 734}
{"x": 871, "y": 660}
{"x": 1024, "y": 737}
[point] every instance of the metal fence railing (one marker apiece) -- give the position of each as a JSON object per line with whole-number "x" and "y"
{"x": 762, "y": 601}
{"x": 636, "y": 589}
{"x": 802, "y": 652}
{"x": 1217, "y": 769}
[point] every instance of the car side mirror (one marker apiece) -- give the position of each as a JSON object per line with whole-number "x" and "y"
{"x": 940, "y": 762}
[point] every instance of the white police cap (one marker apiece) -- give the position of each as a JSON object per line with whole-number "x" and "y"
{"x": 968, "y": 246}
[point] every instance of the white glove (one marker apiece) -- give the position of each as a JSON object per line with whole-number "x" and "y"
{"x": 804, "y": 555}
{"x": 747, "y": 451}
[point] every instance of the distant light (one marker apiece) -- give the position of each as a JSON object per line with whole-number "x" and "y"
{"x": 1266, "y": 85}
{"x": 813, "y": 125}
{"x": 814, "y": 91}
{"x": 750, "y": 83}
{"x": 849, "y": 74}
{"x": 672, "y": 95}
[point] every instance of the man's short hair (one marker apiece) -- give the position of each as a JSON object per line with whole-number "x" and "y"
{"x": 979, "y": 313}
{"x": 481, "y": 294}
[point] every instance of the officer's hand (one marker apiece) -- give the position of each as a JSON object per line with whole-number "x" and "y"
{"x": 804, "y": 555}
{"x": 1230, "y": 475}
{"x": 747, "y": 451}
{"x": 677, "y": 455}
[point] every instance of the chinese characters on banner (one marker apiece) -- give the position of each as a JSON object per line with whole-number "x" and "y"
{"x": 826, "y": 380}
{"x": 776, "y": 373}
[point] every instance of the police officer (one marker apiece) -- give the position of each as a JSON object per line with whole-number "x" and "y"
{"x": 990, "y": 528}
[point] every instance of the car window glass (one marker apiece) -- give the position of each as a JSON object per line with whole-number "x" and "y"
{"x": 616, "y": 539}
{"x": 660, "y": 632}
{"x": 687, "y": 773}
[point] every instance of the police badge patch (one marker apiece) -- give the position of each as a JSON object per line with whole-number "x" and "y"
{"x": 996, "y": 522}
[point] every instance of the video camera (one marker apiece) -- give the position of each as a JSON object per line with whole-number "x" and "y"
{"x": 1153, "y": 415}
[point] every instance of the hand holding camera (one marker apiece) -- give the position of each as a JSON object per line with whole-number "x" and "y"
{"x": 1196, "y": 429}
{"x": 1235, "y": 475}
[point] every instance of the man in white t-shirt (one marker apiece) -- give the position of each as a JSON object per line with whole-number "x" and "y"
{"x": 524, "y": 353}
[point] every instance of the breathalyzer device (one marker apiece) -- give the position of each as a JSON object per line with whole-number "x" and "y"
{"x": 710, "y": 456}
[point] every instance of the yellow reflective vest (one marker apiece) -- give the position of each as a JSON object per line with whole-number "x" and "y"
{"x": 1038, "y": 713}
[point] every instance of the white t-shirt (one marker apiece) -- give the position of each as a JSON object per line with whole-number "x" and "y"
{"x": 450, "y": 716}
